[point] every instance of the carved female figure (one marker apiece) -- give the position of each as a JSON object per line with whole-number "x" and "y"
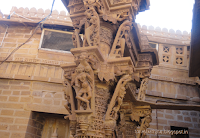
{"x": 83, "y": 80}
{"x": 119, "y": 100}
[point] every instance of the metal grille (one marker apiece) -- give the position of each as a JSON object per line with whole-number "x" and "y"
{"x": 57, "y": 40}
{"x": 153, "y": 45}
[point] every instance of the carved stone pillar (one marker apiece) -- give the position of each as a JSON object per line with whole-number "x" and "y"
{"x": 110, "y": 64}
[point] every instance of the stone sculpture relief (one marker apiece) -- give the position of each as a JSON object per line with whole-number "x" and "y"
{"x": 92, "y": 28}
{"x": 106, "y": 63}
{"x": 83, "y": 82}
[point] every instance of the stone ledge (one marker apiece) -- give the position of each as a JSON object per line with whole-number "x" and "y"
{"x": 154, "y": 93}
{"x": 46, "y": 108}
{"x": 33, "y": 60}
{"x": 168, "y": 95}
{"x": 34, "y": 78}
{"x": 196, "y": 99}
{"x": 177, "y": 80}
{"x": 181, "y": 97}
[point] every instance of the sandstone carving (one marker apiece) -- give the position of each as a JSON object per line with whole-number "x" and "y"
{"x": 143, "y": 87}
{"x": 107, "y": 61}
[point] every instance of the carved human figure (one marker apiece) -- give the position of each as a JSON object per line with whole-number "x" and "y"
{"x": 119, "y": 100}
{"x": 91, "y": 27}
{"x": 83, "y": 80}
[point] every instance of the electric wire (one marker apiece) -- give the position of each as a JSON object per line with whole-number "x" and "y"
{"x": 19, "y": 16}
{"x": 39, "y": 24}
{"x": 4, "y": 35}
{"x": 20, "y": 45}
{"x": 49, "y": 13}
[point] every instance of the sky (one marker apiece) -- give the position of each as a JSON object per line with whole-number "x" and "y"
{"x": 170, "y": 14}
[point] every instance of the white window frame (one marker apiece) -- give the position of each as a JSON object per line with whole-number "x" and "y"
{"x": 157, "y": 45}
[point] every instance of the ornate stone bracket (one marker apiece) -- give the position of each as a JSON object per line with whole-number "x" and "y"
{"x": 143, "y": 87}
{"x": 117, "y": 50}
{"x": 117, "y": 98}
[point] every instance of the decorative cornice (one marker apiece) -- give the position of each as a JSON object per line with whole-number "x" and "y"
{"x": 26, "y": 69}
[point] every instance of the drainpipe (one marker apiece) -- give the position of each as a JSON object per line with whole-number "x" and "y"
{"x": 4, "y": 35}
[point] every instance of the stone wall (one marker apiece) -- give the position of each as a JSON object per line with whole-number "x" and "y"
{"x": 169, "y": 81}
{"x": 17, "y": 100}
{"x": 167, "y": 118}
{"x": 18, "y": 34}
{"x": 31, "y": 82}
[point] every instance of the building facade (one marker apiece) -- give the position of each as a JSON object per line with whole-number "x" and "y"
{"x": 32, "y": 98}
{"x": 169, "y": 81}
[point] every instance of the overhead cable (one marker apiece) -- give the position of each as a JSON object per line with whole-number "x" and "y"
{"x": 39, "y": 24}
